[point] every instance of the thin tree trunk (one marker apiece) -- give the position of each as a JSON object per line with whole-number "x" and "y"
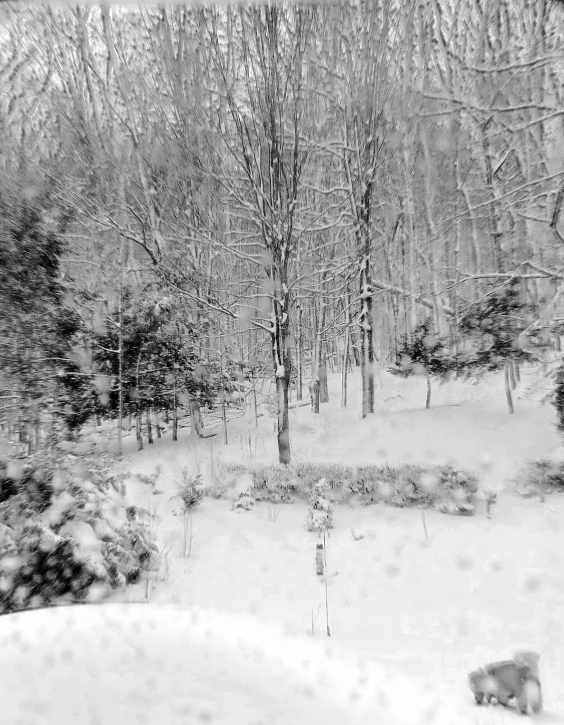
{"x": 512, "y": 374}
{"x": 508, "y": 395}
{"x": 299, "y": 341}
{"x": 493, "y": 220}
{"x": 314, "y": 387}
{"x": 120, "y": 361}
{"x": 157, "y": 423}
{"x": 354, "y": 348}
{"x": 175, "y": 420}
{"x": 139, "y": 429}
{"x": 345, "y": 368}
{"x": 366, "y": 334}
{"x": 149, "y": 426}
{"x": 323, "y": 386}
{"x": 428, "y": 400}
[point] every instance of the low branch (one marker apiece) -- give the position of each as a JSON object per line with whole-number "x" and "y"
{"x": 410, "y": 295}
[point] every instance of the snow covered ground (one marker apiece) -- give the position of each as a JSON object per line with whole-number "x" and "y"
{"x": 415, "y": 600}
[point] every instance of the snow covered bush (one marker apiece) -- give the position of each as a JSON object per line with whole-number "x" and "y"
{"x": 243, "y": 493}
{"x": 320, "y": 512}
{"x": 540, "y": 478}
{"x": 273, "y": 483}
{"x": 66, "y": 532}
{"x": 444, "y": 488}
{"x": 191, "y": 489}
{"x": 336, "y": 475}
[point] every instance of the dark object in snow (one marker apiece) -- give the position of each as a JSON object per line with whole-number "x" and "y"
{"x": 319, "y": 559}
{"x": 516, "y": 679}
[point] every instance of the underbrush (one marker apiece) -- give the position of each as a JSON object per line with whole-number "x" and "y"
{"x": 540, "y": 478}
{"x": 444, "y": 488}
{"x": 66, "y": 532}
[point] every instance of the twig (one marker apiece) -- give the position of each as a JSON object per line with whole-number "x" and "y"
{"x": 424, "y": 523}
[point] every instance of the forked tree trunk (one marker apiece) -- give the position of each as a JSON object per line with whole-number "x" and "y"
{"x": 508, "y": 395}
{"x": 282, "y": 363}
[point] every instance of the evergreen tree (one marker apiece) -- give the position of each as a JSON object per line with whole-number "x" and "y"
{"x": 37, "y": 329}
{"x": 161, "y": 366}
{"x": 424, "y": 354}
{"x": 493, "y": 326}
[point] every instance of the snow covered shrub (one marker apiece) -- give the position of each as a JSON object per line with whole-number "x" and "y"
{"x": 336, "y": 475}
{"x": 456, "y": 491}
{"x": 47, "y": 567}
{"x": 444, "y": 488}
{"x": 243, "y": 494}
{"x": 191, "y": 489}
{"x": 80, "y": 541}
{"x": 541, "y": 477}
{"x": 274, "y": 483}
{"x": 320, "y": 512}
{"x": 34, "y": 485}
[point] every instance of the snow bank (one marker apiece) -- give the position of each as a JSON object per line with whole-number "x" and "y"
{"x": 143, "y": 664}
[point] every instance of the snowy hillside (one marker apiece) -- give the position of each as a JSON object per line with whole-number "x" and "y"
{"x": 426, "y": 596}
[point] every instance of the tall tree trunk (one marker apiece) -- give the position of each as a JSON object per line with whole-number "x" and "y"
{"x": 139, "y": 428}
{"x": 299, "y": 340}
{"x": 345, "y": 368}
{"x": 428, "y": 399}
{"x": 157, "y": 423}
{"x": 196, "y": 417}
{"x": 493, "y": 220}
{"x": 282, "y": 360}
{"x": 323, "y": 386}
{"x": 120, "y": 359}
{"x": 366, "y": 335}
{"x": 149, "y": 426}
{"x": 508, "y": 395}
{"x": 512, "y": 374}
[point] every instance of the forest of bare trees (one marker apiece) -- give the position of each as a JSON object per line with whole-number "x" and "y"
{"x": 302, "y": 184}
